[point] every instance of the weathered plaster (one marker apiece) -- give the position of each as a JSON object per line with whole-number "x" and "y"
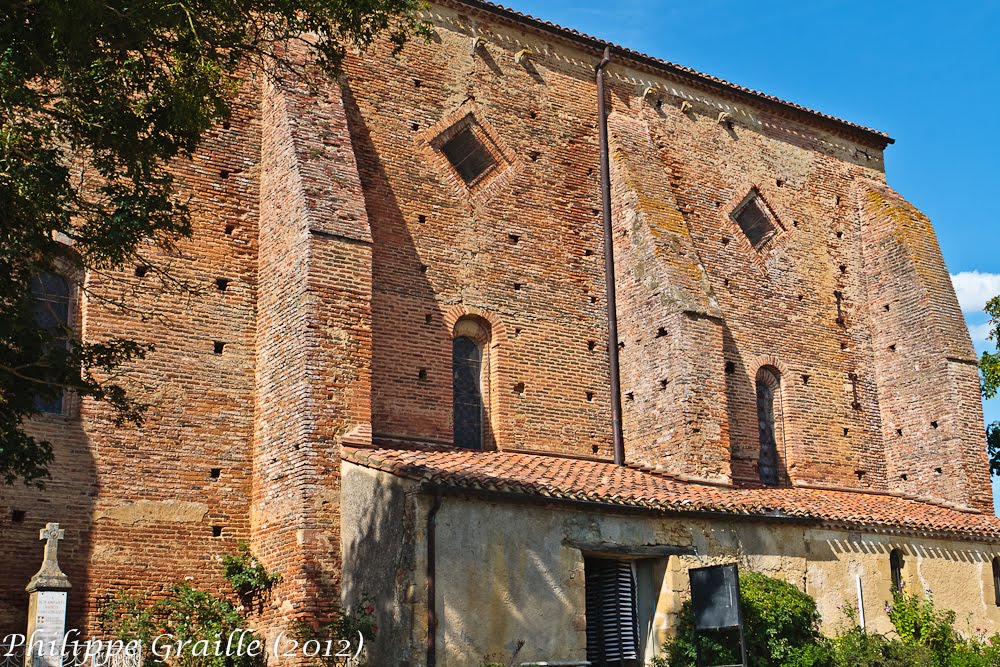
{"x": 169, "y": 511}
{"x": 509, "y": 572}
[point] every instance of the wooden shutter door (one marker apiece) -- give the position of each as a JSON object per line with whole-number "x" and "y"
{"x": 612, "y": 632}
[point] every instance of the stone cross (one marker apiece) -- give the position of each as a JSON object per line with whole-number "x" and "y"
{"x": 50, "y": 576}
{"x": 52, "y": 535}
{"x": 47, "y": 604}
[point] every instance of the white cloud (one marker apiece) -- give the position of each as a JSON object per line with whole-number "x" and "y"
{"x": 979, "y": 332}
{"x": 974, "y": 289}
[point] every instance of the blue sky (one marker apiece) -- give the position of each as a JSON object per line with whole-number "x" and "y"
{"x": 924, "y": 72}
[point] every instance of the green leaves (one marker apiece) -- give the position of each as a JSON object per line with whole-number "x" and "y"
{"x": 782, "y": 628}
{"x": 250, "y": 580}
{"x": 993, "y": 447}
{"x": 918, "y": 622}
{"x": 184, "y": 626}
{"x": 349, "y": 627}
{"x": 96, "y": 100}
{"x": 989, "y": 370}
{"x": 989, "y": 364}
{"x": 188, "y": 621}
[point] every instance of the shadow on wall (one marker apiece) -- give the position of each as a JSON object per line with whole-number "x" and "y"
{"x": 506, "y": 576}
{"x": 493, "y": 590}
{"x": 742, "y": 452}
{"x": 411, "y": 348}
{"x": 378, "y": 535}
{"x": 970, "y": 555}
{"x": 67, "y": 499}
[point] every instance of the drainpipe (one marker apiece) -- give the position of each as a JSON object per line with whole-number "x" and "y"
{"x": 431, "y": 584}
{"x": 609, "y": 266}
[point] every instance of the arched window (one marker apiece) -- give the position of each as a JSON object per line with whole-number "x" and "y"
{"x": 768, "y": 387}
{"x": 467, "y": 370}
{"x": 52, "y": 300}
{"x": 996, "y": 580}
{"x": 471, "y": 365}
{"x": 896, "y": 569}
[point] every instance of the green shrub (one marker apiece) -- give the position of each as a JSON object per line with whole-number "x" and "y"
{"x": 355, "y": 626}
{"x": 781, "y": 629}
{"x": 193, "y": 619}
{"x": 857, "y": 648}
{"x": 919, "y": 623}
{"x": 925, "y": 637}
{"x": 250, "y": 580}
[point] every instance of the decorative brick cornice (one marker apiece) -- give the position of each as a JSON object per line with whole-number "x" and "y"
{"x": 865, "y": 135}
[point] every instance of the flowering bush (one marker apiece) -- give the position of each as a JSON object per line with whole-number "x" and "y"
{"x": 181, "y": 629}
{"x": 189, "y": 627}
{"x": 919, "y": 623}
{"x": 351, "y": 629}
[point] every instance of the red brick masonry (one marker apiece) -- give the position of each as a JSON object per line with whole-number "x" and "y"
{"x": 336, "y": 253}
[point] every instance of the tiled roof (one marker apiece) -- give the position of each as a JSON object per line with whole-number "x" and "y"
{"x": 686, "y": 72}
{"x": 581, "y": 480}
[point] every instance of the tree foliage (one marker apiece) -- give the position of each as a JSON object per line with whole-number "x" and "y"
{"x": 989, "y": 368}
{"x": 96, "y": 99}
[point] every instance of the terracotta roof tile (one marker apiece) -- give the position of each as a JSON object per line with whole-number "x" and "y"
{"x": 572, "y": 479}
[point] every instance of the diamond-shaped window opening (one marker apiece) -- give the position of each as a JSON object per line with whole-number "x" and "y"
{"x": 756, "y": 221}
{"x": 471, "y": 151}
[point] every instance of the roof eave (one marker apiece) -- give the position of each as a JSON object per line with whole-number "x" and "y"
{"x": 501, "y": 495}
{"x": 862, "y": 134}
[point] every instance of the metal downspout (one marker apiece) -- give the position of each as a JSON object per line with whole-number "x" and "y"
{"x": 431, "y": 583}
{"x": 609, "y": 266}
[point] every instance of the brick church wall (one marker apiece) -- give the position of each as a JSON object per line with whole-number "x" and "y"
{"x": 353, "y": 250}
{"x": 314, "y": 328}
{"x": 924, "y": 361}
{"x": 141, "y": 506}
{"x": 521, "y": 248}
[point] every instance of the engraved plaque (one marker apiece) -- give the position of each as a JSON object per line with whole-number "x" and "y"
{"x": 48, "y": 624}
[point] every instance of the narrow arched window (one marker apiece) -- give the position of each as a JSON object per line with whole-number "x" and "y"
{"x": 467, "y": 369}
{"x": 768, "y": 386}
{"x": 896, "y": 569}
{"x": 52, "y": 300}
{"x": 996, "y": 580}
